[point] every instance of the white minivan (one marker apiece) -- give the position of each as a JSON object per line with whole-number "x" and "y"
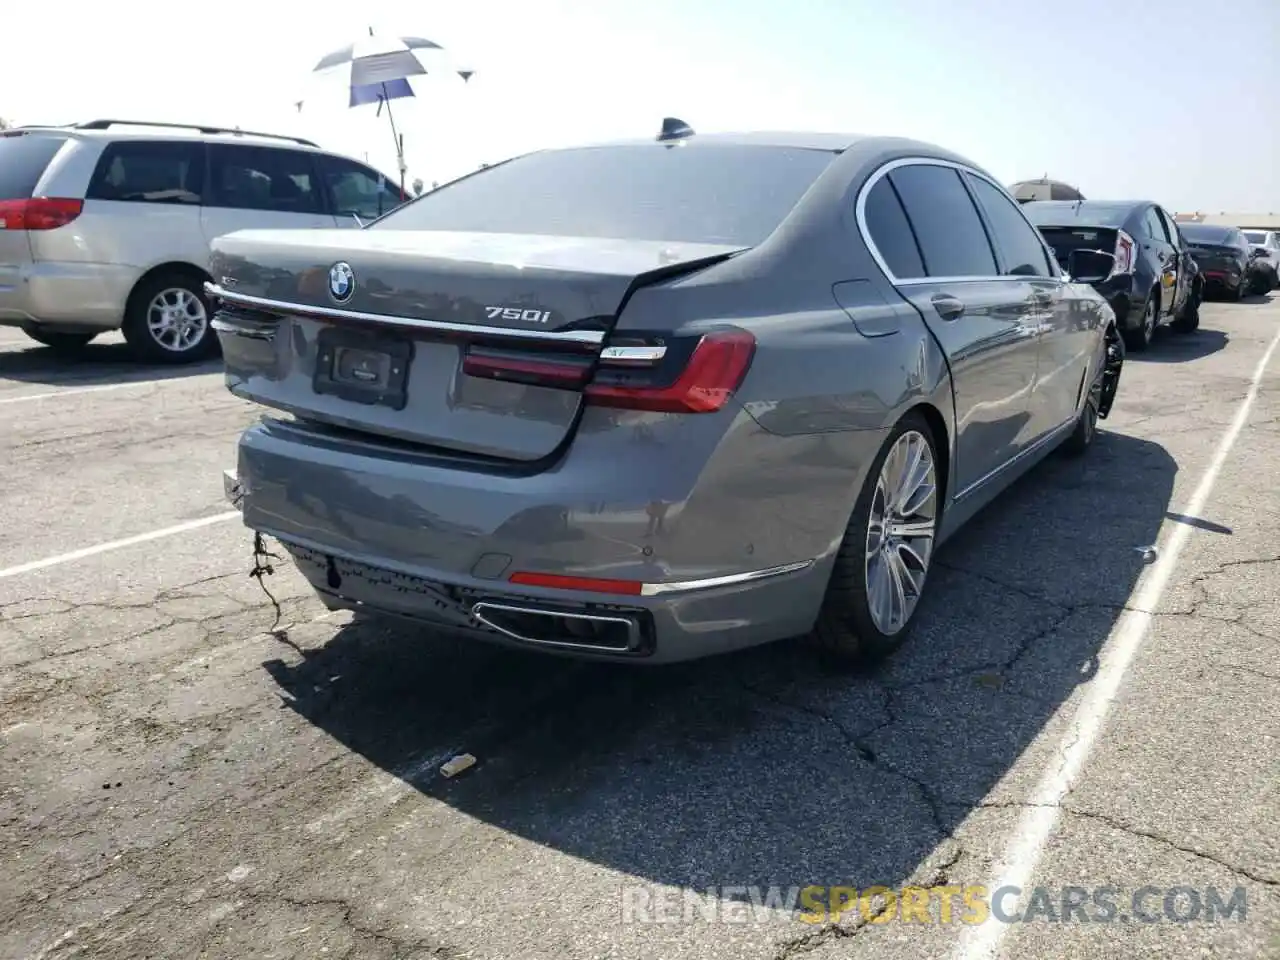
{"x": 106, "y": 225}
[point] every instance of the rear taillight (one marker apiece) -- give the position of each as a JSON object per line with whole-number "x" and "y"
{"x": 38, "y": 213}
{"x": 1125, "y": 254}
{"x": 656, "y": 373}
{"x": 714, "y": 369}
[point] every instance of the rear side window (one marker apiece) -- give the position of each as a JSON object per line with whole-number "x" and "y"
{"x": 1019, "y": 244}
{"x": 354, "y": 189}
{"x": 263, "y": 178}
{"x": 714, "y": 193}
{"x": 889, "y": 230}
{"x": 149, "y": 171}
{"x": 1151, "y": 224}
{"x": 952, "y": 239}
{"x": 22, "y": 163}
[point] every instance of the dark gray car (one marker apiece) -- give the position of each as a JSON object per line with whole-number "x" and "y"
{"x": 656, "y": 400}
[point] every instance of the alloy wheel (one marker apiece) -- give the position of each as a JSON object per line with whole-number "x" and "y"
{"x": 177, "y": 319}
{"x": 900, "y": 534}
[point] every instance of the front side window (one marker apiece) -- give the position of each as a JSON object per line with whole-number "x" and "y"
{"x": 149, "y": 171}
{"x": 263, "y": 178}
{"x": 953, "y": 241}
{"x": 1019, "y": 244}
{"x": 721, "y": 193}
{"x": 355, "y": 190}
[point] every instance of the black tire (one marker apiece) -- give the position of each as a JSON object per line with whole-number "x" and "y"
{"x": 1260, "y": 284}
{"x": 1236, "y": 295}
{"x": 59, "y": 341}
{"x": 1139, "y": 339}
{"x": 1082, "y": 437}
{"x": 1188, "y": 321}
{"x": 845, "y": 628}
{"x": 137, "y": 331}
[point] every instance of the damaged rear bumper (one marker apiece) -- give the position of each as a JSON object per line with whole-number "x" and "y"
{"x": 232, "y": 489}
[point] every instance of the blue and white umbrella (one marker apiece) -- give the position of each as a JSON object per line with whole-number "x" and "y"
{"x": 377, "y": 70}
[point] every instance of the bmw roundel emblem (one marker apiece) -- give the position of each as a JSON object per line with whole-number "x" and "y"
{"x": 342, "y": 281}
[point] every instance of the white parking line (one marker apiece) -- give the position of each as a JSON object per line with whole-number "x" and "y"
{"x": 117, "y": 544}
{"x": 73, "y": 391}
{"x": 1036, "y": 825}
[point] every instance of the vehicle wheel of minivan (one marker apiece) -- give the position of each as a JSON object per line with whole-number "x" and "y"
{"x": 1140, "y": 339}
{"x": 880, "y": 571}
{"x": 167, "y": 319}
{"x": 58, "y": 340}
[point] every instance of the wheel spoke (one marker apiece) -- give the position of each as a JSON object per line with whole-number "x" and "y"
{"x": 901, "y": 530}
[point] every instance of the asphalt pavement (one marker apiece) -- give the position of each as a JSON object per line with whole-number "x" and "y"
{"x": 181, "y": 776}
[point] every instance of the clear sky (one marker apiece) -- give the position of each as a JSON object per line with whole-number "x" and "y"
{"x": 1176, "y": 100}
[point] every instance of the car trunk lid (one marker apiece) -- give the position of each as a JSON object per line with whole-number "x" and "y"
{"x": 370, "y": 330}
{"x": 24, "y": 157}
{"x": 1211, "y": 256}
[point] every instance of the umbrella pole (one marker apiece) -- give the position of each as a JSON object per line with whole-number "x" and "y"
{"x": 386, "y": 102}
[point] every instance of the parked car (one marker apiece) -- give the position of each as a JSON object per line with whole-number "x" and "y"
{"x": 1266, "y": 251}
{"x": 656, "y": 400}
{"x": 1226, "y": 260}
{"x": 106, "y": 225}
{"x": 1153, "y": 280}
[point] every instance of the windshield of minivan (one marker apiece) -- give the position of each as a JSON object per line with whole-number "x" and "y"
{"x": 1255, "y": 236}
{"x": 725, "y": 194}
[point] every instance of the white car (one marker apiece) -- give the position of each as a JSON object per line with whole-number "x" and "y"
{"x": 1266, "y": 246}
{"x": 107, "y": 225}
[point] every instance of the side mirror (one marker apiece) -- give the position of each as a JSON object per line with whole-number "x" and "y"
{"x": 1090, "y": 266}
{"x": 1256, "y": 252}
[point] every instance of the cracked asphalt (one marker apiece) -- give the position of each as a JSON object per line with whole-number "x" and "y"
{"x": 181, "y": 781}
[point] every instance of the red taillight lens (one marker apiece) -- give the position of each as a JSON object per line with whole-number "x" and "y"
{"x": 566, "y": 373}
{"x": 38, "y": 213}
{"x": 630, "y": 588}
{"x": 1125, "y": 249}
{"x": 715, "y": 369}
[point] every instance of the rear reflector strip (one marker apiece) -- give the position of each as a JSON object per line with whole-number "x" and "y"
{"x": 630, "y": 588}
{"x": 633, "y": 588}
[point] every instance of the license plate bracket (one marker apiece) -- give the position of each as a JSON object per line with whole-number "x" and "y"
{"x": 363, "y": 367}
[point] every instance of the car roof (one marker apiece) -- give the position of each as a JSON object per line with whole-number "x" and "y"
{"x": 143, "y": 131}
{"x": 784, "y": 139}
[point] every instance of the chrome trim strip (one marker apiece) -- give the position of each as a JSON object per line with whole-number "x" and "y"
{"x": 633, "y": 354}
{"x": 587, "y": 337}
{"x": 681, "y": 586}
{"x": 1016, "y": 458}
{"x": 262, "y": 332}
{"x": 860, "y": 215}
{"x": 632, "y": 628}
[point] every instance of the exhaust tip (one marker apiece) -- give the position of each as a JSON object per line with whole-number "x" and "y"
{"x": 615, "y": 633}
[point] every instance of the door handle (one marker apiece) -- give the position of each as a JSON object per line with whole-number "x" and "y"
{"x": 948, "y": 307}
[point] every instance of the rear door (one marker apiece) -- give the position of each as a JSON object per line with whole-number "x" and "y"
{"x": 986, "y": 324}
{"x": 1181, "y": 260}
{"x": 1064, "y": 345}
{"x": 23, "y": 160}
{"x": 1158, "y": 249}
{"x": 142, "y": 207}
{"x": 260, "y": 187}
{"x": 356, "y": 194}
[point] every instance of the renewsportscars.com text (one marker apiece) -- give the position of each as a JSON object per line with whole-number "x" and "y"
{"x": 970, "y": 904}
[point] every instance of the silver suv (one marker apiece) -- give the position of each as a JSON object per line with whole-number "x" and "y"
{"x": 106, "y": 225}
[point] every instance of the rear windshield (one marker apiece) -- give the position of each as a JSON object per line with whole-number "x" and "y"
{"x": 1064, "y": 214}
{"x": 22, "y": 162}
{"x": 729, "y": 194}
{"x": 1203, "y": 233}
